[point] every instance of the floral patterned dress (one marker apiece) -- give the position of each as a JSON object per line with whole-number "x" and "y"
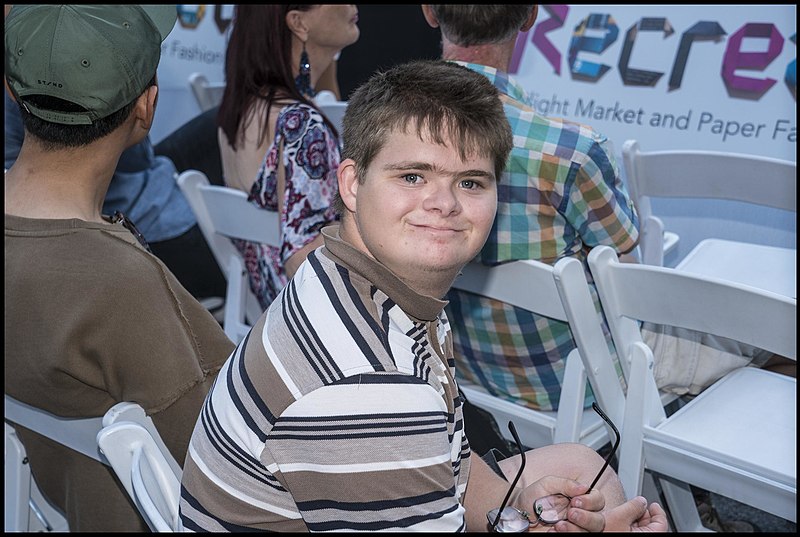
{"x": 311, "y": 155}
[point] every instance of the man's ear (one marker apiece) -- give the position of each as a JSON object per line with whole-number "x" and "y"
{"x": 531, "y": 19}
{"x": 145, "y": 108}
{"x": 427, "y": 12}
{"x": 348, "y": 183}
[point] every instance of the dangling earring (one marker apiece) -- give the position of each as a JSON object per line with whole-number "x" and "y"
{"x": 303, "y": 80}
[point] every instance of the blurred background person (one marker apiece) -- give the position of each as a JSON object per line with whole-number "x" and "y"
{"x": 274, "y": 142}
{"x": 561, "y": 195}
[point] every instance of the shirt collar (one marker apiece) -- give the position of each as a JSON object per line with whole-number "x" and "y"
{"x": 421, "y": 307}
{"x": 502, "y": 81}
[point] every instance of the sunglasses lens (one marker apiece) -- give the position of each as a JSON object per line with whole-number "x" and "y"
{"x": 552, "y": 509}
{"x": 512, "y": 520}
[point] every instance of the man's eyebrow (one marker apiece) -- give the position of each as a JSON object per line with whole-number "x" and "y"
{"x": 427, "y": 167}
{"x": 410, "y": 165}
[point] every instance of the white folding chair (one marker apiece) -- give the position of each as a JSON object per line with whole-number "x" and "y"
{"x": 132, "y": 446}
{"x": 132, "y": 412}
{"x": 25, "y": 507}
{"x": 332, "y": 108}
{"x": 208, "y": 94}
{"x": 561, "y": 293}
{"x": 701, "y": 174}
{"x": 223, "y": 214}
{"x": 737, "y": 438}
{"x": 146, "y": 470}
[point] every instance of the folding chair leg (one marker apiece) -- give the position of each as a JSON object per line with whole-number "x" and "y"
{"x": 682, "y": 507}
{"x": 44, "y": 516}
{"x": 17, "y": 483}
{"x": 650, "y": 489}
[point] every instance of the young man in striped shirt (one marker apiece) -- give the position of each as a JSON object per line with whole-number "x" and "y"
{"x": 339, "y": 411}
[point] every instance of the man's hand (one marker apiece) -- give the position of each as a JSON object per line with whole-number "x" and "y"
{"x": 633, "y": 515}
{"x": 654, "y": 519}
{"x": 589, "y": 505}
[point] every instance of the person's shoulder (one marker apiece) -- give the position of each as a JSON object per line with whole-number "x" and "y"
{"x": 302, "y": 122}
{"x": 80, "y": 252}
{"x": 112, "y": 250}
{"x": 300, "y": 113}
{"x": 565, "y": 134}
{"x": 115, "y": 256}
{"x": 295, "y": 107}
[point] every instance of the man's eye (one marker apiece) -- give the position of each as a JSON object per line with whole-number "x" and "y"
{"x": 469, "y": 184}
{"x": 412, "y": 178}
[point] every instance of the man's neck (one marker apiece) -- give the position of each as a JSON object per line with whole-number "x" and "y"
{"x": 434, "y": 284}
{"x": 60, "y": 184}
{"x": 493, "y": 55}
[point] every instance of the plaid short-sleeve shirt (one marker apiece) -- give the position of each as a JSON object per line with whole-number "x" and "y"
{"x": 561, "y": 195}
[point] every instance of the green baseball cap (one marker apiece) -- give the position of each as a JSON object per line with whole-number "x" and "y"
{"x": 99, "y": 58}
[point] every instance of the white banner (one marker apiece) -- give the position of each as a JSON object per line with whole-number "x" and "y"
{"x": 706, "y": 77}
{"x": 197, "y": 43}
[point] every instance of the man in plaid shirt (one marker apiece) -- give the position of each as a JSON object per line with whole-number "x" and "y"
{"x": 560, "y": 196}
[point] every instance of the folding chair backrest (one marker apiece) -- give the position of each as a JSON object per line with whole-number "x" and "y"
{"x": 25, "y": 506}
{"x": 332, "y": 108}
{"x": 712, "y": 175}
{"x": 560, "y": 293}
{"x": 241, "y": 306}
{"x": 208, "y": 94}
{"x": 661, "y": 295}
{"x": 128, "y": 411}
{"x": 702, "y": 175}
{"x": 75, "y": 433}
{"x": 232, "y": 216}
{"x": 190, "y": 182}
{"x": 145, "y": 471}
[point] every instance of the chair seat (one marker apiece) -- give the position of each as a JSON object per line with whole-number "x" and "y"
{"x": 670, "y": 241}
{"x": 718, "y": 424}
{"x": 207, "y": 94}
{"x": 766, "y": 267}
{"x": 537, "y": 428}
{"x": 701, "y": 174}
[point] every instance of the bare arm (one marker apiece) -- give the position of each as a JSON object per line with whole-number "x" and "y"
{"x": 485, "y": 491}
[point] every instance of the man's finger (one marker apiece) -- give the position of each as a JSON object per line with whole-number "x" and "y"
{"x": 623, "y": 517}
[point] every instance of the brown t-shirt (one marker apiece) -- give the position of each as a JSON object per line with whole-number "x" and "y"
{"x": 92, "y": 319}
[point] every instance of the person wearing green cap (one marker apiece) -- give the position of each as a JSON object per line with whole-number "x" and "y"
{"x": 92, "y": 317}
{"x": 145, "y": 190}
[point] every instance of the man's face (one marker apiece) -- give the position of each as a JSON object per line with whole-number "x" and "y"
{"x": 421, "y": 210}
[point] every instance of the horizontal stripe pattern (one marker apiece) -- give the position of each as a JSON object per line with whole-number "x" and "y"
{"x": 338, "y": 412}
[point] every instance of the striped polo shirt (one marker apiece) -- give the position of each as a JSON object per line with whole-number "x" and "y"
{"x": 338, "y": 412}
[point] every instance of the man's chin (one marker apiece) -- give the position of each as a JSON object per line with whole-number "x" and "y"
{"x": 442, "y": 266}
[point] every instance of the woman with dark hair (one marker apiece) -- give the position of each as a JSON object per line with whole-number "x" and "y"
{"x": 274, "y": 142}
